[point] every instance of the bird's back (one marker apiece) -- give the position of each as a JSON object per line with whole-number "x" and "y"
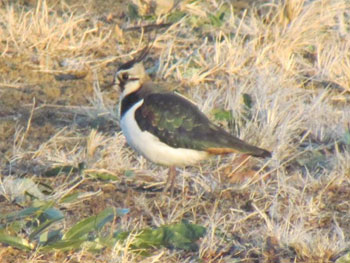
{"x": 179, "y": 123}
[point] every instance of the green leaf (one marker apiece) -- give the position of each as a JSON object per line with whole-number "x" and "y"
{"x": 247, "y": 100}
{"x": 93, "y": 246}
{"x": 69, "y": 198}
{"x": 149, "y": 238}
{"x": 40, "y": 229}
{"x": 312, "y": 160}
{"x": 31, "y": 212}
{"x": 121, "y": 235}
{"x": 346, "y": 137}
{"x": 133, "y": 11}
{"x": 246, "y": 109}
{"x": 222, "y": 115}
{"x": 103, "y": 176}
{"x": 184, "y": 235}
{"x": 129, "y": 173}
{"x": 181, "y": 236}
{"x": 90, "y": 224}
{"x": 15, "y": 241}
{"x": 50, "y": 216}
{"x": 175, "y": 16}
{"x": 66, "y": 169}
{"x": 122, "y": 211}
{"x": 63, "y": 245}
{"x": 215, "y": 21}
{"x": 150, "y": 17}
{"x": 26, "y": 212}
{"x": 50, "y": 236}
{"x": 108, "y": 241}
{"x": 76, "y": 236}
{"x": 16, "y": 226}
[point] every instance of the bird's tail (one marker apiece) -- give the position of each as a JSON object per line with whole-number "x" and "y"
{"x": 226, "y": 143}
{"x": 247, "y": 148}
{"x": 235, "y": 145}
{"x": 259, "y": 152}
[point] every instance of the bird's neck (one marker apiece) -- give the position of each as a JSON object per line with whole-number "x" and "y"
{"x": 128, "y": 101}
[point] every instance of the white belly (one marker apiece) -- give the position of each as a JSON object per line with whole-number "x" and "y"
{"x": 151, "y": 147}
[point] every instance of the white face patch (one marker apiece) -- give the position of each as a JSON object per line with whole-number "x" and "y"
{"x": 130, "y": 87}
{"x": 135, "y": 77}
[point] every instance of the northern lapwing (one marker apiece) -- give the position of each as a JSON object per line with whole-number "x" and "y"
{"x": 166, "y": 127}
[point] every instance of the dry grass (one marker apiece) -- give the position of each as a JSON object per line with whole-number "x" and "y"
{"x": 292, "y": 58}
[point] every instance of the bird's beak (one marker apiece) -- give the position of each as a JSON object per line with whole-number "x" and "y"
{"x": 115, "y": 83}
{"x": 116, "y": 80}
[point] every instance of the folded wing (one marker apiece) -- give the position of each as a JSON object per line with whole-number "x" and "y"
{"x": 180, "y": 124}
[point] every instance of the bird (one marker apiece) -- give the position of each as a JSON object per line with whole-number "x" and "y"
{"x": 166, "y": 127}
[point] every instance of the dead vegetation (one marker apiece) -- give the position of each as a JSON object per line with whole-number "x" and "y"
{"x": 276, "y": 73}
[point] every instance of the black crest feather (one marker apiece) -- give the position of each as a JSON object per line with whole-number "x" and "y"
{"x": 143, "y": 53}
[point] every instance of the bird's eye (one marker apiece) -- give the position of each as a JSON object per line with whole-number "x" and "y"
{"x": 125, "y": 76}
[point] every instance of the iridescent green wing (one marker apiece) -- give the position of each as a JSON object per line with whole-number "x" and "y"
{"x": 180, "y": 124}
{"x": 177, "y": 122}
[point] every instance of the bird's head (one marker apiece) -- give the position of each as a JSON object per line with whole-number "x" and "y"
{"x": 131, "y": 75}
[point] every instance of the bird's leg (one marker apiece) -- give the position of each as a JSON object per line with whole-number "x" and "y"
{"x": 170, "y": 180}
